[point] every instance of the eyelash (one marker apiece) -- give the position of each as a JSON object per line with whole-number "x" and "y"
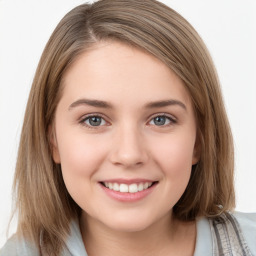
{"x": 87, "y": 117}
{"x": 171, "y": 119}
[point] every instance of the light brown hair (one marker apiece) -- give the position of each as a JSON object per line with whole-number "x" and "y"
{"x": 44, "y": 206}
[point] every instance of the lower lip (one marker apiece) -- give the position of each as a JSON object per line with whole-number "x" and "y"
{"x": 128, "y": 197}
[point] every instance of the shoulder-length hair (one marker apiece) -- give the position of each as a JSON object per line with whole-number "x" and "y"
{"x": 44, "y": 205}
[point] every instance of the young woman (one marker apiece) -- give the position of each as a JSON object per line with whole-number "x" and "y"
{"x": 126, "y": 148}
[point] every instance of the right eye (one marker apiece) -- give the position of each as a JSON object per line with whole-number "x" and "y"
{"x": 93, "y": 121}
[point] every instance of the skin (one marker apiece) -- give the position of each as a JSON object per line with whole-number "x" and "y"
{"x": 128, "y": 143}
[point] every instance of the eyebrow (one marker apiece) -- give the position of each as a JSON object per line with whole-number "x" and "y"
{"x": 104, "y": 104}
{"x": 89, "y": 102}
{"x": 165, "y": 103}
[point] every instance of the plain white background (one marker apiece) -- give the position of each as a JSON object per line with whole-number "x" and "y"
{"x": 228, "y": 28}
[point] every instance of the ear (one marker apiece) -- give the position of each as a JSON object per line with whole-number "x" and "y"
{"x": 53, "y": 144}
{"x": 197, "y": 151}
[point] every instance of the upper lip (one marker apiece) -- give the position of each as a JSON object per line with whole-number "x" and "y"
{"x": 128, "y": 181}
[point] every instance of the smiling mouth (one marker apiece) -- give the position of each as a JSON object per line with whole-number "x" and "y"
{"x": 128, "y": 188}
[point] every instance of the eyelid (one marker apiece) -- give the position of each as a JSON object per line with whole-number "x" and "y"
{"x": 85, "y": 117}
{"x": 173, "y": 119}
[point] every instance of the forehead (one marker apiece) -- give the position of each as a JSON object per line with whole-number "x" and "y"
{"x": 113, "y": 71}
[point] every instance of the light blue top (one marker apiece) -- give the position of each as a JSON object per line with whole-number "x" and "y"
{"x": 247, "y": 221}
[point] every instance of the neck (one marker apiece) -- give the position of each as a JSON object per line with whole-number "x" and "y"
{"x": 167, "y": 237}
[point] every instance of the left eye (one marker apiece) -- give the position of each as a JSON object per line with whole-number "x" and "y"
{"x": 94, "y": 121}
{"x": 160, "y": 120}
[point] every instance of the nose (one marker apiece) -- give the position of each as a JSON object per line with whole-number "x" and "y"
{"x": 128, "y": 148}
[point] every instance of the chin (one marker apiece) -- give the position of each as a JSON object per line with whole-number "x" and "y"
{"x": 129, "y": 223}
{"x": 130, "y": 227}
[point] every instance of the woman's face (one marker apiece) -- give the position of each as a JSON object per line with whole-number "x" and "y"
{"x": 125, "y": 136}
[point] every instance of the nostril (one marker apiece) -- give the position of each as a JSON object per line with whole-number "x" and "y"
{"x": 128, "y": 150}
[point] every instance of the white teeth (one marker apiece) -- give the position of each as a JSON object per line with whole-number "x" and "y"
{"x": 116, "y": 187}
{"x": 133, "y": 188}
{"x": 124, "y": 188}
{"x": 145, "y": 185}
{"x": 140, "y": 187}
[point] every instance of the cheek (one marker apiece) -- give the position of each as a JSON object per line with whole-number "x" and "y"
{"x": 175, "y": 156}
{"x": 80, "y": 154}
{"x": 80, "y": 157}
